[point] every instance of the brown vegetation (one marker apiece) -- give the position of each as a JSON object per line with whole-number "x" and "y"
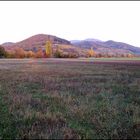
{"x": 69, "y": 99}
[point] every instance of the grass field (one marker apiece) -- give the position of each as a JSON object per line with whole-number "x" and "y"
{"x": 69, "y": 98}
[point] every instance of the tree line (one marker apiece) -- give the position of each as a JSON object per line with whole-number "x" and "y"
{"x": 48, "y": 52}
{"x": 21, "y": 53}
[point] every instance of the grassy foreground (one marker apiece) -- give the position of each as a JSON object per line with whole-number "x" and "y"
{"x": 51, "y": 98}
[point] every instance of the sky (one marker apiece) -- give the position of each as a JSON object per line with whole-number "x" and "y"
{"x": 71, "y": 20}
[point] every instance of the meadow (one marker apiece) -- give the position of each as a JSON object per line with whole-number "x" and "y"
{"x": 70, "y": 98}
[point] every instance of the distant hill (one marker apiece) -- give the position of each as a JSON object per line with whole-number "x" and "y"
{"x": 7, "y": 44}
{"x": 92, "y": 39}
{"x": 124, "y": 46}
{"x": 35, "y": 42}
{"x": 111, "y": 47}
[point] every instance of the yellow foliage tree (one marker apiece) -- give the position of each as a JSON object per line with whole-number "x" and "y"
{"x": 91, "y": 52}
{"x": 48, "y": 49}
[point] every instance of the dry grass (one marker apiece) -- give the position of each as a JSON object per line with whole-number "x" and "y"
{"x": 69, "y": 99}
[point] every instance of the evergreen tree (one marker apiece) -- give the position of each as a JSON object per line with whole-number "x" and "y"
{"x": 2, "y": 52}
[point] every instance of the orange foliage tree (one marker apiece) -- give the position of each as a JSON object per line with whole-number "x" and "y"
{"x": 29, "y": 54}
{"x": 39, "y": 54}
{"x": 19, "y": 53}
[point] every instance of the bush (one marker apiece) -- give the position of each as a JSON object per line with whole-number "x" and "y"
{"x": 58, "y": 53}
{"x": 69, "y": 55}
{"x": 10, "y": 55}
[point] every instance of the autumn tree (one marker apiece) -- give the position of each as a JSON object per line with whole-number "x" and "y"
{"x": 30, "y": 54}
{"x": 129, "y": 55}
{"x": 48, "y": 49}
{"x": 39, "y": 54}
{"x": 19, "y": 53}
{"x": 99, "y": 55}
{"x": 123, "y": 55}
{"x": 2, "y": 52}
{"x": 91, "y": 52}
{"x": 58, "y": 52}
{"x": 10, "y": 54}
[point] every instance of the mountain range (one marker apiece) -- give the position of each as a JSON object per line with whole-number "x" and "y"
{"x": 77, "y": 46}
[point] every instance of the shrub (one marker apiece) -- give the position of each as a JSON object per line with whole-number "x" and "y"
{"x": 2, "y": 52}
